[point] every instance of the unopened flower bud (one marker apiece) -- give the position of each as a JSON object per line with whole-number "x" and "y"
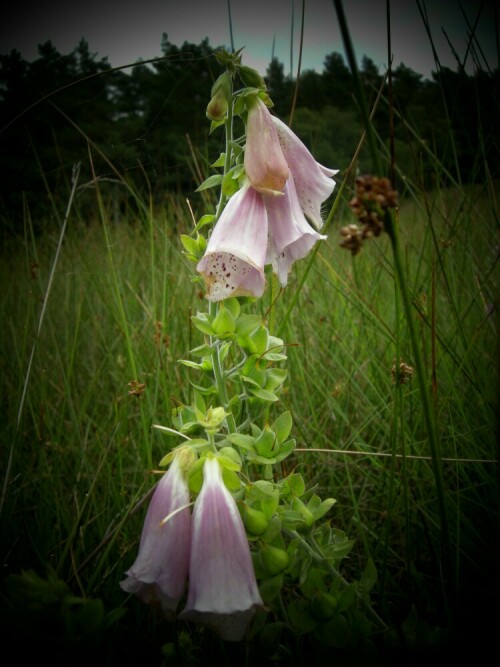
{"x": 323, "y": 606}
{"x": 274, "y": 560}
{"x": 250, "y": 77}
{"x": 255, "y": 520}
{"x": 221, "y": 92}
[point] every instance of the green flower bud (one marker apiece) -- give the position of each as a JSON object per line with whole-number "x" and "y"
{"x": 213, "y": 419}
{"x": 273, "y": 559}
{"x": 221, "y": 92}
{"x": 323, "y": 606}
{"x": 255, "y": 521}
{"x": 250, "y": 77}
{"x": 217, "y": 107}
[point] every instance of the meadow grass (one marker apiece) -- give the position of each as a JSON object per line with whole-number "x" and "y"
{"x": 119, "y": 311}
{"x": 79, "y": 452}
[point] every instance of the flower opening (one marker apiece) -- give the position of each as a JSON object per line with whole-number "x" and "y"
{"x": 313, "y": 182}
{"x": 233, "y": 263}
{"x": 290, "y": 235}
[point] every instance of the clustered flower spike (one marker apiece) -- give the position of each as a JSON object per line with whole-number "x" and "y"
{"x": 210, "y": 549}
{"x": 267, "y": 220}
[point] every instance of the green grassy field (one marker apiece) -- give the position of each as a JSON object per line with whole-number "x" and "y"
{"x": 392, "y": 386}
{"x": 78, "y": 449}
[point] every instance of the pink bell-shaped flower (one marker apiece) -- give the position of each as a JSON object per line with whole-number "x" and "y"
{"x": 223, "y": 592}
{"x": 233, "y": 263}
{"x": 161, "y": 567}
{"x": 313, "y": 182}
{"x": 290, "y": 235}
{"x": 264, "y": 162}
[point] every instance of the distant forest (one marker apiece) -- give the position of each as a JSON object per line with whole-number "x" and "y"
{"x": 149, "y": 121}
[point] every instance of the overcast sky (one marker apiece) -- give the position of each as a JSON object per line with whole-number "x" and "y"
{"x": 129, "y": 30}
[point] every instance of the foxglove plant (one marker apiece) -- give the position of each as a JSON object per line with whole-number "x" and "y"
{"x": 254, "y": 530}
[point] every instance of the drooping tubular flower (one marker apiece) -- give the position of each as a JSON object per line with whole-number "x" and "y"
{"x": 290, "y": 235}
{"x": 313, "y": 182}
{"x": 223, "y": 592}
{"x": 264, "y": 162}
{"x": 233, "y": 263}
{"x": 161, "y": 567}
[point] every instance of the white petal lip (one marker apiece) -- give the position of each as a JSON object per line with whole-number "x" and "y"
{"x": 233, "y": 263}
{"x": 161, "y": 567}
{"x": 223, "y": 591}
{"x": 312, "y": 180}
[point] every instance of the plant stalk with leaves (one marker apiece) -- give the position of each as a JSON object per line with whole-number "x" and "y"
{"x": 253, "y": 521}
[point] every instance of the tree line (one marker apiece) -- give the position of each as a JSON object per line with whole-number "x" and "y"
{"x": 148, "y": 124}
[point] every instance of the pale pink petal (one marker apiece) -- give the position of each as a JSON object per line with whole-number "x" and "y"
{"x": 290, "y": 235}
{"x": 265, "y": 165}
{"x": 160, "y": 570}
{"x": 233, "y": 263}
{"x": 223, "y": 591}
{"x": 313, "y": 181}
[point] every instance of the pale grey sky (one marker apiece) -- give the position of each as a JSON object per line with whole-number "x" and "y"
{"x": 128, "y": 30}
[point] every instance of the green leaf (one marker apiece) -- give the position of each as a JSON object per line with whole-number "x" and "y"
{"x": 242, "y": 440}
{"x": 275, "y": 378}
{"x": 282, "y": 426}
{"x": 228, "y": 462}
{"x": 260, "y": 489}
{"x": 293, "y": 485}
{"x": 233, "y": 305}
{"x": 249, "y": 380}
{"x": 273, "y": 529}
{"x": 270, "y": 588}
{"x": 202, "y": 351}
{"x": 223, "y": 322}
{"x": 189, "y": 244}
{"x": 247, "y": 324}
{"x": 204, "y": 220}
{"x": 369, "y": 576}
{"x": 265, "y": 445}
{"x": 220, "y": 161}
{"x": 300, "y": 617}
{"x": 202, "y": 323}
{"x": 229, "y": 184}
{"x": 210, "y": 182}
{"x": 264, "y": 395}
{"x": 333, "y": 633}
{"x": 346, "y": 597}
{"x": 231, "y": 479}
{"x": 189, "y": 364}
{"x": 291, "y": 519}
{"x": 260, "y": 338}
{"x": 321, "y": 509}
